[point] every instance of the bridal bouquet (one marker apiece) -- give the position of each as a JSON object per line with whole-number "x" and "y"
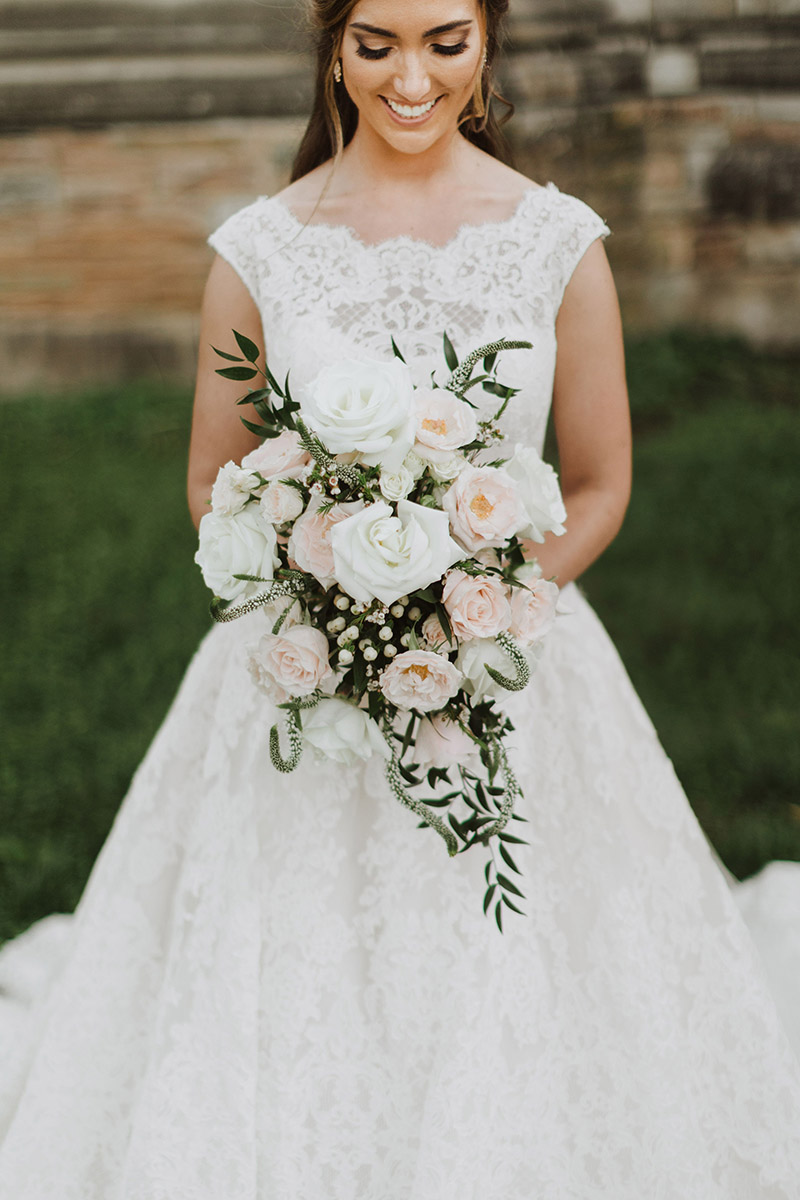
{"x": 379, "y": 524}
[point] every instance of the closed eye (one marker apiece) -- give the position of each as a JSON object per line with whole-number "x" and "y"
{"x": 373, "y": 55}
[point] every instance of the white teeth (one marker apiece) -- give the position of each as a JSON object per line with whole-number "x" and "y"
{"x": 407, "y": 110}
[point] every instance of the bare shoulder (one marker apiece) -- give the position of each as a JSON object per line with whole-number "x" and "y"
{"x": 497, "y": 187}
{"x": 303, "y": 196}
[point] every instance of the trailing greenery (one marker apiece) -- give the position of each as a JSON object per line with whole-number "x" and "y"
{"x": 103, "y": 605}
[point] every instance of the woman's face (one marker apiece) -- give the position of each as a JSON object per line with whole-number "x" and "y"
{"x": 410, "y": 67}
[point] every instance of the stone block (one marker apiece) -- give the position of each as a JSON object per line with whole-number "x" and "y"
{"x": 672, "y": 71}
{"x": 756, "y": 179}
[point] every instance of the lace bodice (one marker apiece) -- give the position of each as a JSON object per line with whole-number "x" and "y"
{"x": 324, "y": 294}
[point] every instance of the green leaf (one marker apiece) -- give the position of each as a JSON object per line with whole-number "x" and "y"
{"x": 509, "y": 837}
{"x": 508, "y": 886}
{"x": 224, "y": 354}
{"x": 397, "y": 353}
{"x": 272, "y": 381}
{"x": 260, "y": 394}
{"x": 249, "y": 349}
{"x": 512, "y": 906}
{"x": 239, "y": 373}
{"x": 508, "y": 860}
{"x": 259, "y": 430}
{"x": 489, "y": 361}
{"x": 449, "y": 353}
{"x": 498, "y": 908}
{"x": 487, "y": 899}
{"x": 444, "y": 621}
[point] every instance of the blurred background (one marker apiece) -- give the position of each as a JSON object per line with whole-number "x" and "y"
{"x": 130, "y": 129}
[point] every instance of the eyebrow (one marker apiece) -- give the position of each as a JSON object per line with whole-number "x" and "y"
{"x": 387, "y": 33}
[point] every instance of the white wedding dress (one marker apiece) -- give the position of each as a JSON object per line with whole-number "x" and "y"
{"x": 279, "y": 988}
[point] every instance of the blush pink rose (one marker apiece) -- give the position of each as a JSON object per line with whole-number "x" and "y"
{"x": 282, "y": 457}
{"x": 435, "y": 636}
{"x": 421, "y": 680}
{"x": 280, "y": 502}
{"x": 444, "y": 420}
{"x": 291, "y": 663}
{"x": 533, "y": 610}
{"x": 477, "y": 605}
{"x": 442, "y": 743}
{"x": 309, "y": 543}
{"x": 483, "y": 507}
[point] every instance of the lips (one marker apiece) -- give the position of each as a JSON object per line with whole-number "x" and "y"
{"x": 410, "y": 113}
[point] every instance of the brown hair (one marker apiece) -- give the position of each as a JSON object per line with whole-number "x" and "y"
{"x": 334, "y": 116}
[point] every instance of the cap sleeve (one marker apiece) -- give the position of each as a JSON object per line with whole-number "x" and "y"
{"x": 237, "y": 240}
{"x": 578, "y": 226}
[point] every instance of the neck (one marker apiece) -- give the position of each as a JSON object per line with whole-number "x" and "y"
{"x": 370, "y": 164}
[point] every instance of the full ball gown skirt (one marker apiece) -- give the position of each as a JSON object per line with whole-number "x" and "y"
{"x": 277, "y": 987}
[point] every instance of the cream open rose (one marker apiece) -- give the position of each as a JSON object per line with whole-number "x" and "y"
{"x": 291, "y": 663}
{"x": 243, "y": 544}
{"x": 444, "y": 420}
{"x": 309, "y": 542}
{"x": 365, "y": 407}
{"x": 477, "y": 605}
{"x": 378, "y": 554}
{"x": 533, "y": 610}
{"x": 483, "y": 507}
{"x": 539, "y": 494}
{"x": 232, "y": 489}
{"x": 339, "y": 730}
{"x": 282, "y": 457}
{"x": 421, "y": 680}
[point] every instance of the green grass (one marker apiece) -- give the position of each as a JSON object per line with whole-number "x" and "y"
{"x": 103, "y": 605}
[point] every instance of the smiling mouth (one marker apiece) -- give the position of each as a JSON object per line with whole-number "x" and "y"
{"x": 410, "y": 112}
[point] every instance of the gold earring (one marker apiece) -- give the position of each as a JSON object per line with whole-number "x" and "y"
{"x": 337, "y": 71}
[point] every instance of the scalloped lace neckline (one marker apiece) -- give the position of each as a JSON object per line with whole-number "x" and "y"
{"x": 348, "y": 233}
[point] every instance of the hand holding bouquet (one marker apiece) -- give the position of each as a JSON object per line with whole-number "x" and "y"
{"x": 379, "y": 525}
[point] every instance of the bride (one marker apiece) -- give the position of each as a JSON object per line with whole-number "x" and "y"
{"x": 276, "y": 987}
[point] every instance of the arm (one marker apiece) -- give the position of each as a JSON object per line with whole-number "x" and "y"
{"x": 217, "y": 432}
{"x": 592, "y": 420}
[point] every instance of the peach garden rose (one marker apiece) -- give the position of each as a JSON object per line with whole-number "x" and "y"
{"x": 483, "y": 507}
{"x": 421, "y": 680}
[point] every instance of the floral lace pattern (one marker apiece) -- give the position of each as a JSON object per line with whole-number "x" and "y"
{"x": 278, "y": 988}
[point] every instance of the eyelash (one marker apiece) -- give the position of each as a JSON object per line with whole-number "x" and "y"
{"x": 445, "y": 51}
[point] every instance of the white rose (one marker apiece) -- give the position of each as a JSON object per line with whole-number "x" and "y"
{"x": 339, "y": 730}
{"x": 539, "y": 494}
{"x": 474, "y": 657}
{"x": 414, "y": 464}
{"x": 244, "y": 544}
{"x": 378, "y": 554}
{"x": 395, "y": 485}
{"x": 444, "y": 420}
{"x": 232, "y": 489}
{"x": 443, "y": 465}
{"x": 366, "y": 407}
{"x": 280, "y": 502}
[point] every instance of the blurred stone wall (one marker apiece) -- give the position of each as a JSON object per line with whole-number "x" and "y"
{"x": 129, "y": 129}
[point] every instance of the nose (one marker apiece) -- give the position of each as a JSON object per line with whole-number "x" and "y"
{"x": 412, "y": 81}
